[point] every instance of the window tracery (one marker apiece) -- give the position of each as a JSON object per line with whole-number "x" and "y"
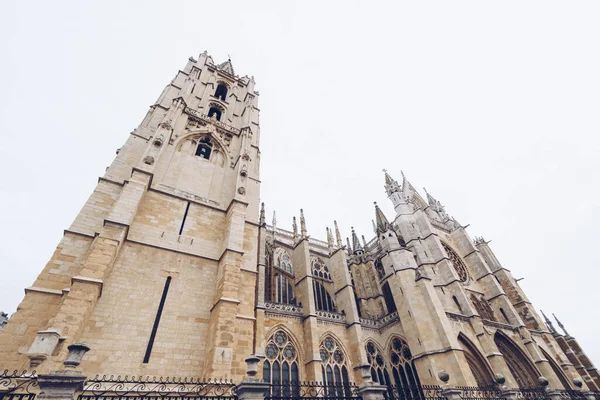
{"x": 457, "y": 263}
{"x": 323, "y": 300}
{"x": 333, "y": 367}
{"x": 483, "y": 308}
{"x": 319, "y": 269}
{"x": 403, "y": 369}
{"x": 281, "y": 360}
{"x": 279, "y": 277}
{"x": 379, "y": 372}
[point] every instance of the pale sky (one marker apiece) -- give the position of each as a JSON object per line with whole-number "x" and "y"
{"x": 492, "y": 106}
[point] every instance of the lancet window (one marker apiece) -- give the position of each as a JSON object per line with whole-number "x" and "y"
{"x": 221, "y": 92}
{"x": 483, "y": 308}
{"x": 457, "y": 263}
{"x": 323, "y": 299}
{"x": 379, "y": 371}
{"x": 280, "y": 276}
{"x": 334, "y": 369}
{"x": 403, "y": 369}
{"x": 205, "y": 148}
{"x": 519, "y": 365}
{"x": 281, "y": 361}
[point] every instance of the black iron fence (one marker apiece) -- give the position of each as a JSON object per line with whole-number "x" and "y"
{"x": 152, "y": 388}
{"x": 17, "y": 385}
{"x": 424, "y": 392}
{"x": 313, "y": 390}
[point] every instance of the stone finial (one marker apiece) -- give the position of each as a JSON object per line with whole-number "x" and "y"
{"x": 302, "y": 224}
{"x": 562, "y": 327}
{"x": 295, "y": 229}
{"x": 329, "y": 239}
{"x": 549, "y": 324}
{"x": 374, "y": 226}
{"x": 338, "y": 237}
{"x": 444, "y": 376}
{"x": 578, "y": 383}
{"x": 364, "y": 241}
{"x": 355, "y": 242}
{"x": 382, "y": 223}
{"x": 262, "y": 214}
{"x": 348, "y": 245}
{"x": 76, "y": 353}
{"x": 391, "y": 186}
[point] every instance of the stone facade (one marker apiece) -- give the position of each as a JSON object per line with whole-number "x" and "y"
{"x": 170, "y": 269}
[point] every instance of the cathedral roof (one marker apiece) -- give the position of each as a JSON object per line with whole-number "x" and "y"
{"x": 226, "y": 67}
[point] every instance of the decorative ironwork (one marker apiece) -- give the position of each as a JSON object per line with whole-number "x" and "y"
{"x": 313, "y": 390}
{"x": 424, "y": 392}
{"x": 111, "y": 388}
{"x": 18, "y": 385}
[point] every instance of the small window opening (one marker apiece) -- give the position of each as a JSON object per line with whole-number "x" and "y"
{"x": 214, "y": 111}
{"x": 204, "y": 148}
{"x": 504, "y": 316}
{"x": 221, "y": 92}
{"x": 457, "y": 304}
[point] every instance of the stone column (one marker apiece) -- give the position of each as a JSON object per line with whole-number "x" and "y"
{"x": 251, "y": 387}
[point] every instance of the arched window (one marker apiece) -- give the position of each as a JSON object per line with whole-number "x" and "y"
{"x": 388, "y": 297}
{"x": 457, "y": 263}
{"x": 403, "y": 370}
{"x": 519, "y": 365}
{"x": 379, "y": 268}
{"x": 333, "y": 368}
{"x": 204, "y": 148}
{"x": 323, "y": 300}
{"x": 319, "y": 269}
{"x": 280, "y": 367}
{"x": 479, "y": 368}
{"x": 483, "y": 308}
{"x": 280, "y": 276}
{"x": 221, "y": 92}
{"x": 216, "y": 110}
{"x": 379, "y": 372}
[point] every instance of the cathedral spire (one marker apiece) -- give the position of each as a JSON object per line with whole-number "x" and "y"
{"x": 348, "y": 245}
{"x": 382, "y": 223}
{"x": 338, "y": 237}
{"x": 391, "y": 186}
{"x": 364, "y": 242}
{"x": 355, "y": 242}
{"x": 549, "y": 324}
{"x": 562, "y": 327}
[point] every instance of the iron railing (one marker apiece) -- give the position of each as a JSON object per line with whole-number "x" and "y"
{"x": 313, "y": 390}
{"x": 424, "y": 392}
{"x": 152, "y": 388}
{"x": 18, "y": 385}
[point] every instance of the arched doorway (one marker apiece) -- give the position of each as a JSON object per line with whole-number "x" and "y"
{"x": 480, "y": 369}
{"x": 521, "y": 368}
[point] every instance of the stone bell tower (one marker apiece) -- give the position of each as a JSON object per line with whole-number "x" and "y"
{"x": 157, "y": 272}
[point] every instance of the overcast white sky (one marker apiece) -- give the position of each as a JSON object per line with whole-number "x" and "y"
{"x": 492, "y": 106}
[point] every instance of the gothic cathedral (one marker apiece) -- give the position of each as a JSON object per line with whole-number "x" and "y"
{"x": 170, "y": 269}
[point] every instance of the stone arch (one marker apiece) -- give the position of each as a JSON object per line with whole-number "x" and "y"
{"x": 283, "y": 359}
{"x": 290, "y": 334}
{"x": 557, "y": 369}
{"x": 519, "y": 364}
{"x": 335, "y": 364}
{"x": 198, "y": 134}
{"x": 378, "y": 362}
{"x": 404, "y": 372}
{"x": 481, "y": 370}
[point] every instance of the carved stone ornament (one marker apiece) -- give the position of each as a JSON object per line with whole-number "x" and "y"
{"x": 149, "y": 160}
{"x": 246, "y": 157}
{"x": 242, "y": 190}
{"x": 165, "y": 125}
{"x": 158, "y": 141}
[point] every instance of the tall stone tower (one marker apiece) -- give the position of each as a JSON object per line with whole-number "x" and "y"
{"x": 158, "y": 271}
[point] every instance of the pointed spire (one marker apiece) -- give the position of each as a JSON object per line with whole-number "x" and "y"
{"x": 274, "y": 223}
{"x": 348, "y": 245}
{"x": 302, "y": 224}
{"x": 562, "y": 327}
{"x": 295, "y": 229}
{"x": 355, "y": 242}
{"x": 329, "y": 240}
{"x": 391, "y": 186}
{"x": 549, "y": 324}
{"x": 374, "y": 226}
{"x": 338, "y": 237}
{"x": 262, "y": 214}
{"x": 382, "y": 223}
{"x": 364, "y": 241}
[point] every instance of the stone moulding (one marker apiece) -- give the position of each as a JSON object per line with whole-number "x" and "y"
{"x": 286, "y": 309}
{"x": 381, "y": 323}
{"x": 217, "y": 123}
{"x": 331, "y": 316}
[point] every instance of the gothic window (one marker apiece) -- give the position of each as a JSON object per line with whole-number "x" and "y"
{"x": 204, "y": 148}
{"x": 280, "y": 367}
{"x": 388, "y": 297}
{"x": 216, "y": 110}
{"x": 518, "y": 364}
{"x": 323, "y": 300}
{"x": 483, "y": 308}
{"x": 379, "y": 372}
{"x": 221, "y": 92}
{"x": 319, "y": 269}
{"x": 379, "y": 268}
{"x": 457, "y": 263}
{"x": 280, "y": 276}
{"x": 333, "y": 368}
{"x": 479, "y": 368}
{"x": 403, "y": 370}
